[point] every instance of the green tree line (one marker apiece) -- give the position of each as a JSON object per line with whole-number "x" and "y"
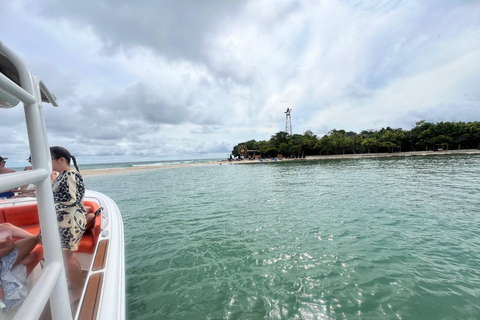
{"x": 424, "y": 136}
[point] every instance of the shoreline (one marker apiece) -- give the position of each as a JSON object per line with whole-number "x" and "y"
{"x": 127, "y": 170}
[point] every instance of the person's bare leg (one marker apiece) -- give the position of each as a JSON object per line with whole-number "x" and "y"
{"x": 89, "y": 223}
{"x": 25, "y": 247}
{"x": 30, "y": 258}
{"x": 74, "y": 274}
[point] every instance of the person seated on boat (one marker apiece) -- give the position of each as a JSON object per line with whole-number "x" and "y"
{"x": 28, "y": 190}
{"x": 68, "y": 194}
{"x": 13, "y": 258}
{"x": 3, "y": 169}
{"x": 22, "y": 192}
{"x": 28, "y": 167}
{"x": 91, "y": 216}
{"x": 53, "y": 176}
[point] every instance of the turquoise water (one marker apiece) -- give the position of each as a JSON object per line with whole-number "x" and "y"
{"x": 339, "y": 239}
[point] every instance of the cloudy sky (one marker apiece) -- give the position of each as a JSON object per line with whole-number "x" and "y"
{"x": 154, "y": 80}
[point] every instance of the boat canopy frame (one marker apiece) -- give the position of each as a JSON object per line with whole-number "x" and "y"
{"x": 22, "y": 86}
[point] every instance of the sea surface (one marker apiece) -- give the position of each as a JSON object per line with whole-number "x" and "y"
{"x": 393, "y": 238}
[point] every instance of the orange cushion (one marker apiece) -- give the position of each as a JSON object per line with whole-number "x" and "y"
{"x": 98, "y": 220}
{"x": 86, "y": 245}
{"x": 26, "y": 217}
{"x": 2, "y": 216}
{"x": 21, "y": 215}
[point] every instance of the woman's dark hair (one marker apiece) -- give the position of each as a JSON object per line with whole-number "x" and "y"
{"x": 60, "y": 152}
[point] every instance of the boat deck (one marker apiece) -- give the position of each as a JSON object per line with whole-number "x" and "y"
{"x": 25, "y": 216}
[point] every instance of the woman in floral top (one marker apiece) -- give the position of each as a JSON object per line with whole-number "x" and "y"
{"x": 68, "y": 194}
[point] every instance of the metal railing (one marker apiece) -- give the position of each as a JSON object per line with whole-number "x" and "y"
{"x": 52, "y": 284}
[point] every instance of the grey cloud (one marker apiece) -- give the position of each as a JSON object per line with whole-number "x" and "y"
{"x": 173, "y": 28}
{"x": 64, "y": 83}
{"x": 107, "y": 133}
{"x": 355, "y": 91}
{"x": 204, "y": 129}
{"x": 10, "y": 118}
{"x": 118, "y": 114}
{"x": 140, "y": 102}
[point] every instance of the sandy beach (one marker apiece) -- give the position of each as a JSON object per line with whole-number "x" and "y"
{"x": 124, "y": 170}
{"x": 98, "y": 172}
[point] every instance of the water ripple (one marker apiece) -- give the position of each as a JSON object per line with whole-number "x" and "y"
{"x": 342, "y": 239}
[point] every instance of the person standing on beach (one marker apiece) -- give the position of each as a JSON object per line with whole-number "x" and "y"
{"x": 3, "y": 169}
{"x": 68, "y": 193}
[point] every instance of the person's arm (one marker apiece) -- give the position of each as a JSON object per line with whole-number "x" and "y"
{"x": 25, "y": 187}
{"x": 15, "y": 231}
{"x": 54, "y": 175}
{"x": 6, "y": 247}
{"x": 25, "y": 192}
{"x": 6, "y": 170}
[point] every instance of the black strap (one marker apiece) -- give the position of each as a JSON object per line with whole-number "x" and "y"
{"x": 99, "y": 210}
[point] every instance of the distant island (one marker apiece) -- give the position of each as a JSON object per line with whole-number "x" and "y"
{"x": 425, "y": 136}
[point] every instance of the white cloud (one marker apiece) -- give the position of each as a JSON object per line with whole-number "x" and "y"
{"x": 183, "y": 80}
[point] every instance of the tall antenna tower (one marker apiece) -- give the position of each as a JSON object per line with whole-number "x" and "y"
{"x": 288, "y": 122}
